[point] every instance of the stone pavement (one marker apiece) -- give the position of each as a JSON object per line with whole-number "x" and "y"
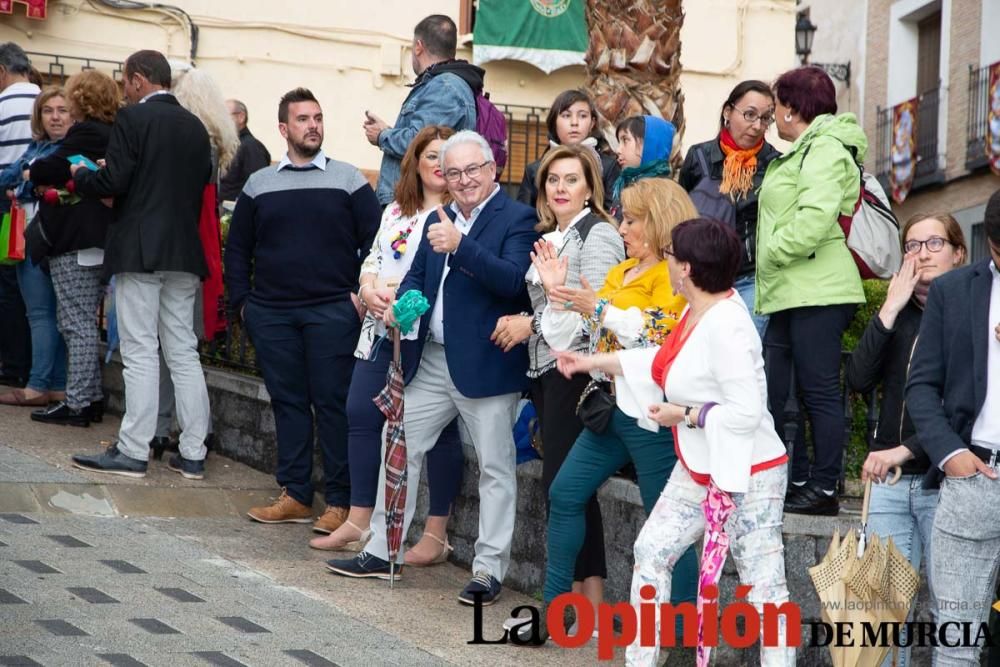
{"x": 98, "y": 570}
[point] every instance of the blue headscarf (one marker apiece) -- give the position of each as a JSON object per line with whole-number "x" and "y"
{"x": 657, "y": 142}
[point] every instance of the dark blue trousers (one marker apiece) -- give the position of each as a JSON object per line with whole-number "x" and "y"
{"x": 306, "y": 356}
{"x": 445, "y": 461}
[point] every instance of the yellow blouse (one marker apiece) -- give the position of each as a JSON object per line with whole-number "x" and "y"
{"x": 650, "y": 293}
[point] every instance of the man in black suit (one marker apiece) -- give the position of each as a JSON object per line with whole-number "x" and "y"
{"x": 158, "y": 163}
{"x": 953, "y": 397}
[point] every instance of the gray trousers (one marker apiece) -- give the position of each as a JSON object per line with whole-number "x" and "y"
{"x": 156, "y": 311}
{"x": 963, "y": 572}
{"x": 78, "y": 293}
{"x": 431, "y": 403}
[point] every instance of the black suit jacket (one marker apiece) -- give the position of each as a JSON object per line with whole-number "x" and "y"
{"x": 947, "y": 384}
{"x": 159, "y": 161}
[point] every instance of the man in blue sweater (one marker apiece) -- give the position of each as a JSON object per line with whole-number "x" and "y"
{"x": 296, "y": 241}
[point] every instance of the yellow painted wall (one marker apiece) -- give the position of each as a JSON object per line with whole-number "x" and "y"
{"x": 354, "y": 55}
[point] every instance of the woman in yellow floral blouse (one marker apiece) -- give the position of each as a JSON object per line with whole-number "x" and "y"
{"x": 636, "y": 307}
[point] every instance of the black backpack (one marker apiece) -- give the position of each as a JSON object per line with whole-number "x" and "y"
{"x": 706, "y": 196}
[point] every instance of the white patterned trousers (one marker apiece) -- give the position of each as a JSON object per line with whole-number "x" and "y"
{"x": 754, "y": 528}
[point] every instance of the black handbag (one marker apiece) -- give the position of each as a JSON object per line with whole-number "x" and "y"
{"x": 36, "y": 243}
{"x": 595, "y": 407}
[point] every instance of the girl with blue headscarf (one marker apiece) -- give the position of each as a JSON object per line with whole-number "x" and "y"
{"x": 644, "y": 146}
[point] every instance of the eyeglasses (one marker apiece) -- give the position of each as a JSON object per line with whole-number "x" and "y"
{"x": 669, "y": 251}
{"x": 751, "y": 116}
{"x": 934, "y": 244}
{"x": 471, "y": 172}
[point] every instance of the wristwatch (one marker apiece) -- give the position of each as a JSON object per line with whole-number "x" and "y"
{"x": 687, "y": 417}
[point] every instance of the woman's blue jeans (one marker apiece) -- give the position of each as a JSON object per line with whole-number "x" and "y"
{"x": 48, "y": 350}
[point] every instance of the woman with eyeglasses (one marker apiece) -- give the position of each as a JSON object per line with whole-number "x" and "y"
{"x": 807, "y": 280}
{"x": 932, "y": 245}
{"x": 420, "y": 190}
{"x": 723, "y": 175}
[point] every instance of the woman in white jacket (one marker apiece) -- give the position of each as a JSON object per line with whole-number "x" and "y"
{"x": 710, "y": 372}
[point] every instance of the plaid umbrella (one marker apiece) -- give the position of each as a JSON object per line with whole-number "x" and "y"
{"x": 390, "y": 402}
{"x": 718, "y": 507}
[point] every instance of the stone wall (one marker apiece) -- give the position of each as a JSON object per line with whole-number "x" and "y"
{"x": 244, "y": 426}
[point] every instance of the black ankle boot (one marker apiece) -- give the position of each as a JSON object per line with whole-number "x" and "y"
{"x": 97, "y": 411}
{"x": 160, "y": 445}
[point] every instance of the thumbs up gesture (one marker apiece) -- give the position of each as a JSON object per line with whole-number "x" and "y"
{"x": 443, "y": 235}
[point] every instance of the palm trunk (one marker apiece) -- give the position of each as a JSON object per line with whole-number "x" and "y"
{"x": 633, "y": 64}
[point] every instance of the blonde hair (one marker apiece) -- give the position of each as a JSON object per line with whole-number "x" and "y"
{"x": 591, "y": 173}
{"x": 662, "y": 204}
{"x": 198, "y": 93}
{"x": 37, "y": 129}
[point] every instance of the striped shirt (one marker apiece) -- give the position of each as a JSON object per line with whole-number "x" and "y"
{"x": 17, "y": 101}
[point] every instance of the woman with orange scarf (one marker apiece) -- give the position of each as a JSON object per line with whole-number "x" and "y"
{"x": 723, "y": 175}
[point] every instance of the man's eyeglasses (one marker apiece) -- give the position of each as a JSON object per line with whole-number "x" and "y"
{"x": 668, "y": 251}
{"x": 471, "y": 172}
{"x": 934, "y": 244}
{"x": 752, "y": 116}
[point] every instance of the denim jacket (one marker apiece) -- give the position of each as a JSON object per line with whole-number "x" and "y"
{"x": 445, "y": 99}
{"x": 12, "y": 177}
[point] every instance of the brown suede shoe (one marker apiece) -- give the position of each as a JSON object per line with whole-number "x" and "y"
{"x": 332, "y": 519}
{"x": 284, "y": 510}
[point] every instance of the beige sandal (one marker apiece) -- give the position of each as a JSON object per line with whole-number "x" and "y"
{"x": 365, "y": 534}
{"x": 446, "y": 549}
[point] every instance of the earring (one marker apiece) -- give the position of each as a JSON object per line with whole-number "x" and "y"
{"x": 645, "y": 244}
{"x": 788, "y": 118}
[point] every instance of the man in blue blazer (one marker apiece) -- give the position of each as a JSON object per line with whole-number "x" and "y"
{"x": 471, "y": 267}
{"x": 953, "y": 397}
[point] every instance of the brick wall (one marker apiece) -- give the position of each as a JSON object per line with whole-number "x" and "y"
{"x": 876, "y": 72}
{"x": 966, "y": 16}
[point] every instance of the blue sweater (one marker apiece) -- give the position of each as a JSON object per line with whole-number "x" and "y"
{"x": 298, "y": 236}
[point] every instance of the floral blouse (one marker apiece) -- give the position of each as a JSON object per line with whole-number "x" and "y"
{"x": 390, "y": 258}
{"x": 638, "y": 314}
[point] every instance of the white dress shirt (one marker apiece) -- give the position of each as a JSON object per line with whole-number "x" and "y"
{"x": 464, "y": 225}
{"x": 986, "y": 429}
{"x": 319, "y": 160}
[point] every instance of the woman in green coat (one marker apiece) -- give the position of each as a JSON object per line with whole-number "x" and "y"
{"x": 806, "y": 278}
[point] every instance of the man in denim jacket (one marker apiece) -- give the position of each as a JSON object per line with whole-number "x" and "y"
{"x": 443, "y": 94}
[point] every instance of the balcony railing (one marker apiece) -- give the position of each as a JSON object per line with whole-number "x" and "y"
{"x": 929, "y": 169}
{"x": 979, "y": 108}
{"x": 57, "y": 68}
{"x": 527, "y": 139}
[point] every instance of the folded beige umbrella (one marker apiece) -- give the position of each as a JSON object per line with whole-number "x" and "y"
{"x": 863, "y": 580}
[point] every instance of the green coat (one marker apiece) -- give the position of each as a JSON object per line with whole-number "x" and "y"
{"x": 802, "y": 257}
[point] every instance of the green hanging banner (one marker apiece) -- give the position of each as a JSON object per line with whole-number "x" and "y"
{"x": 549, "y": 34}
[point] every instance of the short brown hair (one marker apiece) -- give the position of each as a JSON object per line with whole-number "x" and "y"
{"x": 564, "y": 101}
{"x": 150, "y": 64}
{"x": 662, "y": 204}
{"x": 291, "y": 97}
{"x": 410, "y": 189}
{"x": 951, "y": 228}
{"x": 591, "y": 172}
{"x": 93, "y": 95}
{"x": 37, "y": 129}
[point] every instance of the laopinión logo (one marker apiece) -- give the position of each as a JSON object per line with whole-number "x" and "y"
{"x": 740, "y": 625}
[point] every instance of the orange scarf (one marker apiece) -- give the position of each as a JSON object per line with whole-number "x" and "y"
{"x": 739, "y": 167}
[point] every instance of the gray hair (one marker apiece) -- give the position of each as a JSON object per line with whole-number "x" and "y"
{"x": 240, "y": 107}
{"x": 14, "y": 59}
{"x": 466, "y": 137}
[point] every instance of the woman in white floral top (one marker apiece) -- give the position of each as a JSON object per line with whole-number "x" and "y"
{"x": 420, "y": 190}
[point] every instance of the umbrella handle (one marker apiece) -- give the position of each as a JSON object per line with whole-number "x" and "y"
{"x": 896, "y": 473}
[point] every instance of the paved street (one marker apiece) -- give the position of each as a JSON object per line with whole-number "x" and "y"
{"x": 98, "y": 570}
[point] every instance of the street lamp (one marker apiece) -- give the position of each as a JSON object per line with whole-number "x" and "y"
{"x": 804, "y": 33}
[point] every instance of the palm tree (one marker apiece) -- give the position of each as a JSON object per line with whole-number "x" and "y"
{"x": 633, "y": 63}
